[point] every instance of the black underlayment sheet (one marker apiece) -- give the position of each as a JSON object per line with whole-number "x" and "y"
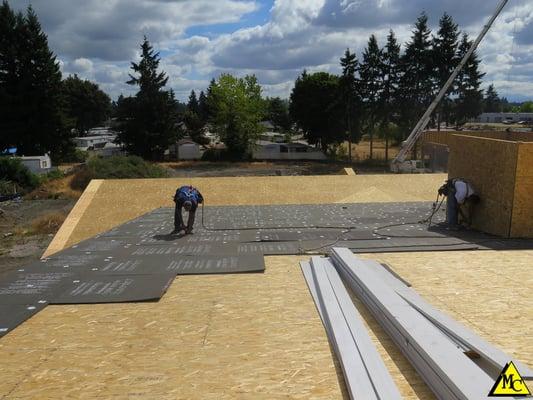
{"x": 137, "y": 261}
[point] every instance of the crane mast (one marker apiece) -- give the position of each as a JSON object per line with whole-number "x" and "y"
{"x": 417, "y": 131}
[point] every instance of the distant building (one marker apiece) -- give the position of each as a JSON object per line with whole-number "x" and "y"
{"x": 272, "y": 137}
{"x": 101, "y": 131}
{"x": 108, "y": 149}
{"x": 97, "y": 140}
{"x": 266, "y": 150}
{"x": 267, "y": 125}
{"x": 185, "y": 149}
{"x": 87, "y": 143}
{"x": 37, "y": 164}
{"x": 504, "y": 117}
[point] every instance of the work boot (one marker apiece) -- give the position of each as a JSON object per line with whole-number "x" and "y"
{"x": 176, "y": 231}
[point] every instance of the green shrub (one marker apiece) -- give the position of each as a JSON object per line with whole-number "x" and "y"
{"x": 53, "y": 175}
{"x": 211, "y": 155}
{"x": 70, "y": 155}
{"x": 78, "y": 156}
{"x": 12, "y": 169}
{"x": 117, "y": 167}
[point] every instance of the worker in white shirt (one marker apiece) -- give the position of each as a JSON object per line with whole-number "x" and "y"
{"x": 460, "y": 199}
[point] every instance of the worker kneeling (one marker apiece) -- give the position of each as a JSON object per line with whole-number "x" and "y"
{"x": 186, "y": 197}
{"x": 460, "y": 200}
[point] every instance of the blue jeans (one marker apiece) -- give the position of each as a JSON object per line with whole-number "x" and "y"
{"x": 451, "y": 210}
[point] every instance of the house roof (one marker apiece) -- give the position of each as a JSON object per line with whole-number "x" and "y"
{"x": 185, "y": 141}
{"x": 41, "y": 158}
{"x": 95, "y": 137}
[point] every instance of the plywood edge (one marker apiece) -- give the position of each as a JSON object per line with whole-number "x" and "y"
{"x": 521, "y": 222}
{"x": 481, "y": 138}
{"x": 349, "y": 171}
{"x": 62, "y": 236}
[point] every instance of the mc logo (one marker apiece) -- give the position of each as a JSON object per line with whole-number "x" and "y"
{"x": 509, "y": 383}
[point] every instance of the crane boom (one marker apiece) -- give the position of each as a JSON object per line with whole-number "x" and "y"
{"x": 423, "y": 122}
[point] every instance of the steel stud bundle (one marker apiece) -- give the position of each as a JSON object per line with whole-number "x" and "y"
{"x": 453, "y": 361}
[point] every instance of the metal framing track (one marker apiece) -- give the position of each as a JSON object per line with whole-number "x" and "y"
{"x": 365, "y": 374}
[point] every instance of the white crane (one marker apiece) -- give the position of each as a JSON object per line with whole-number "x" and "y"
{"x": 399, "y": 160}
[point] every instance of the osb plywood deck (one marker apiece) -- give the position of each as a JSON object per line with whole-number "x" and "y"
{"x": 249, "y": 336}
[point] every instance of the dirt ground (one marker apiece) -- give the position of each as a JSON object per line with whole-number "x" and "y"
{"x": 26, "y": 229}
{"x": 236, "y": 169}
{"x": 201, "y": 169}
{"x": 361, "y": 150}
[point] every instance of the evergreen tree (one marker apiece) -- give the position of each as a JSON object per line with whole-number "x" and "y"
{"x": 278, "y": 114}
{"x": 445, "y": 60}
{"x": 149, "y": 80}
{"x": 203, "y": 110}
{"x": 391, "y": 83}
{"x": 316, "y": 107}
{"x": 195, "y": 127}
{"x": 416, "y": 85}
{"x": 86, "y": 106}
{"x": 349, "y": 87}
{"x": 372, "y": 86}
{"x": 469, "y": 102}
{"x": 193, "y": 105}
{"x": 30, "y": 87}
{"x": 492, "y": 102}
{"x": 10, "y": 102}
{"x": 148, "y": 123}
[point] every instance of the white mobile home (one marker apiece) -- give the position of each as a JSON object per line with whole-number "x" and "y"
{"x": 266, "y": 150}
{"x": 37, "y": 164}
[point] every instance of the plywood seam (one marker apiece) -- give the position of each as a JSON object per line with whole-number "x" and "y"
{"x": 510, "y": 231}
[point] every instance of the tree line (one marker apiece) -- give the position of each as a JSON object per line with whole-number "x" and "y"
{"x": 382, "y": 94}
{"x": 389, "y": 88}
{"x": 39, "y": 110}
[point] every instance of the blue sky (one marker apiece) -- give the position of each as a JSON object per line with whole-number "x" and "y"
{"x": 274, "y": 39}
{"x": 258, "y": 17}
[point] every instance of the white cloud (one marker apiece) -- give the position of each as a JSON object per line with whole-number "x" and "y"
{"x": 98, "y": 39}
{"x": 82, "y": 65}
{"x": 112, "y": 29}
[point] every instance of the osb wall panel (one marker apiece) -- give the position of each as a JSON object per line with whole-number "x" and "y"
{"x": 522, "y": 222}
{"x": 445, "y": 137}
{"x": 490, "y": 165}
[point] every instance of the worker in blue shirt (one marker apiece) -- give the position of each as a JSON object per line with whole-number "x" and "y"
{"x": 186, "y": 197}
